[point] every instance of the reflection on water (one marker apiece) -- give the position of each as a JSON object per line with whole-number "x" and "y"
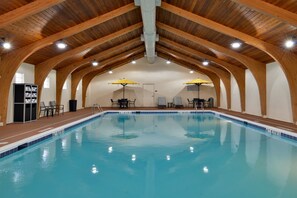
{"x": 171, "y": 155}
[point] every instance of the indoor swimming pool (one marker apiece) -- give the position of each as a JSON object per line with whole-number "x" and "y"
{"x": 154, "y": 155}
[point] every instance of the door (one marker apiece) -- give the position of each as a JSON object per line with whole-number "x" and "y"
{"x": 149, "y": 95}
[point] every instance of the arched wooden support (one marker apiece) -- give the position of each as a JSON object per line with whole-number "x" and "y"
{"x": 223, "y": 74}
{"x": 286, "y": 59}
{"x": 26, "y": 10}
{"x": 237, "y": 72}
{"x": 43, "y": 69}
{"x": 78, "y": 75}
{"x": 271, "y": 10}
{"x": 258, "y": 69}
{"x": 89, "y": 77}
{"x": 63, "y": 72}
{"x": 213, "y": 77}
{"x": 10, "y": 62}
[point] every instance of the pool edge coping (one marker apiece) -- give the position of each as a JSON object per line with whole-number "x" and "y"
{"x": 14, "y": 147}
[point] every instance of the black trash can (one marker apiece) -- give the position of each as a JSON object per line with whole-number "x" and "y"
{"x": 72, "y": 105}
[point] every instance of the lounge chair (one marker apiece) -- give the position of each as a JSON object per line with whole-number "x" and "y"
{"x": 177, "y": 102}
{"x": 45, "y": 109}
{"x": 132, "y": 102}
{"x": 161, "y": 102}
{"x": 190, "y": 102}
{"x": 57, "y": 108}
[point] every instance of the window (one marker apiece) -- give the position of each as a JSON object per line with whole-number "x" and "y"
{"x": 19, "y": 78}
{"x": 65, "y": 85}
{"x": 46, "y": 83}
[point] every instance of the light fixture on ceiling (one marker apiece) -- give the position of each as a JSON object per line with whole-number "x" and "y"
{"x": 205, "y": 62}
{"x": 289, "y": 43}
{"x": 61, "y": 44}
{"x": 236, "y": 44}
{"x": 110, "y": 72}
{"x": 133, "y": 61}
{"x": 191, "y": 72}
{"x": 5, "y": 44}
{"x": 95, "y": 63}
{"x": 168, "y": 62}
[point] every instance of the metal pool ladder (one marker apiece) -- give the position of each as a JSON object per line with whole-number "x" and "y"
{"x": 96, "y": 106}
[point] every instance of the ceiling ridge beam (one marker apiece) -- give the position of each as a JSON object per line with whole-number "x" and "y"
{"x": 270, "y": 10}
{"x": 26, "y": 10}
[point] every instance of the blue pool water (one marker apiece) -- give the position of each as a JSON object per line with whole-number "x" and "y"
{"x": 153, "y": 156}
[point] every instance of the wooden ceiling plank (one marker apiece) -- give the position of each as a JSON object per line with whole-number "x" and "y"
{"x": 237, "y": 72}
{"x": 63, "y": 72}
{"x": 257, "y": 68}
{"x": 78, "y": 75}
{"x": 26, "y": 10}
{"x": 286, "y": 59}
{"x": 271, "y": 10}
{"x": 224, "y": 75}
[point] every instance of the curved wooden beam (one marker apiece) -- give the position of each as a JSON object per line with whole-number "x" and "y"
{"x": 271, "y": 10}
{"x": 10, "y": 62}
{"x": 78, "y": 75}
{"x": 257, "y": 68}
{"x": 214, "y": 78}
{"x": 89, "y": 77}
{"x": 286, "y": 59}
{"x": 43, "y": 69}
{"x": 63, "y": 72}
{"x": 237, "y": 72}
{"x": 26, "y": 10}
{"x": 223, "y": 75}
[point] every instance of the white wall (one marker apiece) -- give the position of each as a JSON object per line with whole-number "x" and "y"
{"x": 28, "y": 71}
{"x": 66, "y": 94}
{"x": 168, "y": 79}
{"x": 278, "y": 94}
{"x": 49, "y": 94}
{"x": 223, "y": 101}
{"x": 235, "y": 95}
{"x": 79, "y": 95}
{"x": 252, "y": 98}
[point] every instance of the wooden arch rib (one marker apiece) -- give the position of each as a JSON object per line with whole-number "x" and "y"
{"x": 78, "y": 75}
{"x": 214, "y": 78}
{"x": 286, "y": 59}
{"x": 43, "y": 69}
{"x": 89, "y": 77}
{"x": 223, "y": 75}
{"x": 26, "y": 10}
{"x": 271, "y": 10}
{"x": 10, "y": 62}
{"x": 63, "y": 72}
{"x": 257, "y": 68}
{"x": 237, "y": 72}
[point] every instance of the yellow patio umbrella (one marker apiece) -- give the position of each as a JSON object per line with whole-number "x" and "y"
{"x": 124, "y": 82}
{"x": 198, "y": 82}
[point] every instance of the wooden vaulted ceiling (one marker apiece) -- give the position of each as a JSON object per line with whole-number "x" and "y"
{"x": 63, "y": 14}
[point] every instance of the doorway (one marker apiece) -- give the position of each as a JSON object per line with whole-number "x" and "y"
{"x": 148, "y": 95}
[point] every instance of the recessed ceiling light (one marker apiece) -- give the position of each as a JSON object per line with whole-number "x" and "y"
{"x": 133, "y": 62}
{"x": 205, "y": 62}
{"x": 168, "y": 62}
{"x": 191, "y": 72}
{"x": 6, "y": 45}
{"x": 61, "y": 44}
{"x": 95, "y": 63}
{"x": 290, "y": 43}
{"x": 236, "y": 44}
{"x": 110, "y": 72}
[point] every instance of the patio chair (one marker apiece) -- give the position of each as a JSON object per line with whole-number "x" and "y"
{"x": 132, "y": 102}
{"x": 114, "y": 102}
{"x": 177, "y": 102}
{"x": 56, "y": 108}
{"x": 190, "y": 102}
{"x": 45, "y": 109}
{"x": 161, "y": 102}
